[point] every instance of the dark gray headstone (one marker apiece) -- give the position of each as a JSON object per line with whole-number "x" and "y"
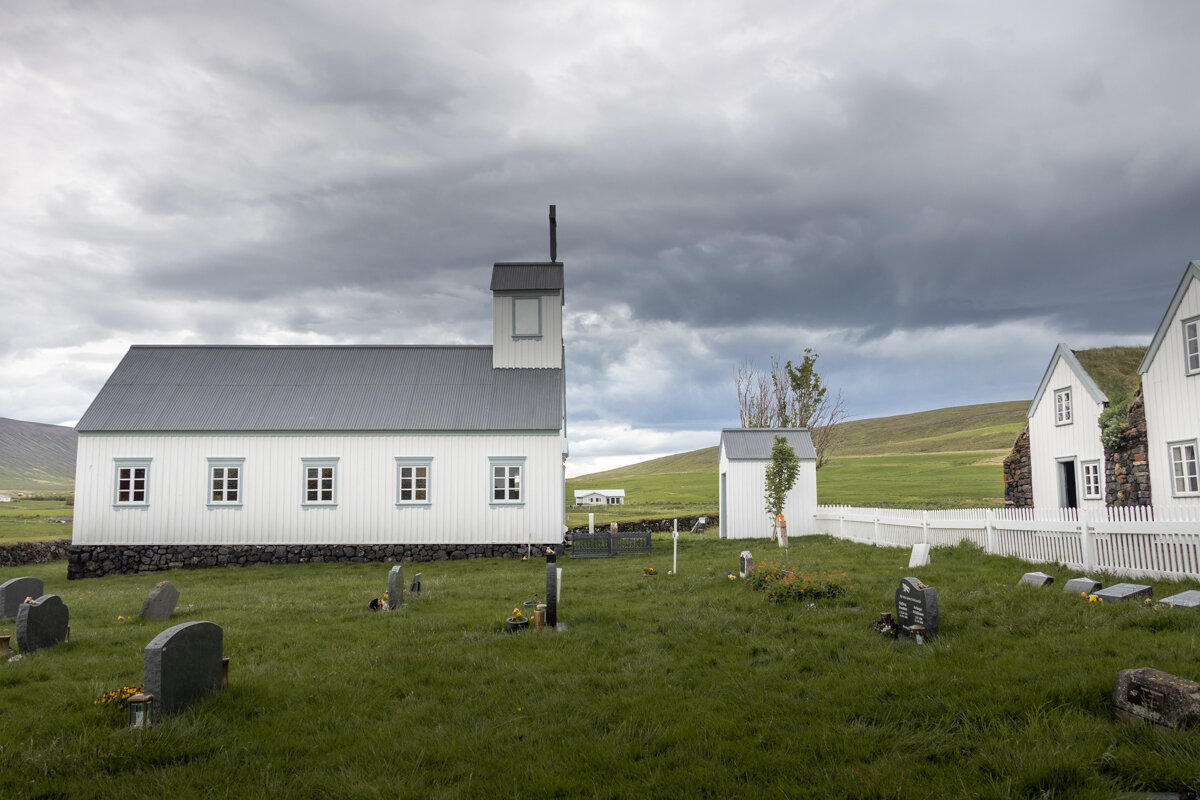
{"x": 395, "y": 590}
{"x": 917, "y": 604}
{"x": 181, "y": 664}
{"x": 745, "y": 564}
{"x": 1036, "y": 579}
{"x": 416, "y": 584}
{"x": 1082, "y": 585}
{"x": 1188, "y": 599}
{"x": 1125, "y": 591}
{"x": 42, "y": 623}
{"x": 14, "y": 592}
{"x": 551, "y": 589}
{"x": 160, "y": 603}
{"x": 1158, "y": 697}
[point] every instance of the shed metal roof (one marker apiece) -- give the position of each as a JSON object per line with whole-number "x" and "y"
{"x": 754, "y": 444}
{"x": 602, "y": 492}
{"x": 527, "y": 276}
{"x": 326, "y": 388}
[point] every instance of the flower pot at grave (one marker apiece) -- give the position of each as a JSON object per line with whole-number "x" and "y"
{"x": 515, "y": 625}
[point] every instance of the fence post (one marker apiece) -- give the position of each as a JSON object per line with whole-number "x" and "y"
{"x": 924, "y": 527}
{"x": 990, "y": 516}
{"x": 1086, "y": 546}
{"x": 841, "y": 526}
{"x": 591, "y": 522}
{"x": 876, "y": 525}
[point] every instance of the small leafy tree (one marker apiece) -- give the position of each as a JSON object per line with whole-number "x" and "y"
{"x": 781, "y": 475}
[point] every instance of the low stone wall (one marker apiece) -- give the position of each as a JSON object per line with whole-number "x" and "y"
{"x": 14, "y": 555}
{"x": 1018, "y": 474}
{"x": 660, "y": 525}
{"x": 94, "y": 561}
{"x": 1127, "y": 471}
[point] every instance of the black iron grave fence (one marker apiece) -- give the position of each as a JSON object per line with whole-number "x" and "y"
{"x": 607, "y": 544}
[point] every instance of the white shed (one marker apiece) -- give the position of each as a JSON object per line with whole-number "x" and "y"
{"x": 599, "y": 497}
{"x": 1065, "y": 454}
{"x": 192, "y": 453}
{"x": 743, "y": 457}
{"x": 1171, "y": 394}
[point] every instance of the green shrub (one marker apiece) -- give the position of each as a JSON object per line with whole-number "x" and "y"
{"x": 779, "y": 583}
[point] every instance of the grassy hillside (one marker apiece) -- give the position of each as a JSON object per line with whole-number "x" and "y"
{"x": 946, "y": 458}
{"x": 36, "y": 457}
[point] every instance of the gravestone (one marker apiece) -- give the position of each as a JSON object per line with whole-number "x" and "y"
{"x": 745, "y": 564}
{"x": 14, "y": 592}
{"x": 395, "y": 590}
{"x": 551, "y": 588}
{"x": 1188, "y": 599}
{"x": 416, "y": 584}
{"x": 1036, "y": 579}
{"x": 42, "y": 623}
{"x": 1125, "y": 591}
{"x": 160, "y": 603}
{"x": 919, "y": 557}
{"x": 181, "y": 664}
{"x": 1082, "y": 585}
{"x": 1154, "y": 696}
{"x": 917, "y": 604}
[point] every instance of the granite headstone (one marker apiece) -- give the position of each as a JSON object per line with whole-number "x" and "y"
{"x": 745, "y": 564}
{"x": 1188, "y": 599}
{"x": 415, "y": 588}
{"x": 1155, "y": 696}
{"x": 1125, "y": 591}
{"x": 395, "y": 590}
{"x": 14, "y": 592}
{"x": 1036, "y": 579}
{"x": 181, "y": 664}
{"x": 160, "y": 603}
{"x": 1082, "y": 586}
{"x": 917, "y": 604}
{"x": 42, "y": 623}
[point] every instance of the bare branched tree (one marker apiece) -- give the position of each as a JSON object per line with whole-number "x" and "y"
{"x": 791, "y": 396}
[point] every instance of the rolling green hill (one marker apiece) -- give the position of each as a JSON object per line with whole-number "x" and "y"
{"x": 36, "y": 457}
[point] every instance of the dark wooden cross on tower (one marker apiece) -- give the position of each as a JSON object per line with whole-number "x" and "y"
{"x": 553, "y": 235}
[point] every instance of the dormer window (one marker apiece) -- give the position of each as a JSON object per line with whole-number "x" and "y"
{"x": 1191, "y": 345}
{"x": 1062, "y": 406}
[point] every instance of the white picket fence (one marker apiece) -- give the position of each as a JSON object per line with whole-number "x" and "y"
{"x": 1130, "y": 541}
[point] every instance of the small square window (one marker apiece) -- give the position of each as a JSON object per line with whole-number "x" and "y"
{"x": 132, "y": 482}
{"x": 1062, "y": 407}
{"x": 1091, "y": 480}
{"x": 506, "y": 480}
{"x": 1191, "y": 345}
{"x": 320, "y": 481}
{"x": 413, "y": 476}
{"x": 1185, "y": 475}
{"x": 225, "y": 481}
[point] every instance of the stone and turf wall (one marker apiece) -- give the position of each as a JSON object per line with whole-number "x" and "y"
{"x": 1127, "y": 471}
{"x": 18, "y": 553}
{"x": 1018, "y": 474}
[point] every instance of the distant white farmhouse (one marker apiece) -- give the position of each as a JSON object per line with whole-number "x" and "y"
{"x": 5, "y": 498}
{"x": 1171, "y": 392}
{"x": 599, "y": 497}
{"x": 1065, "y": 454}
{"x": 743, "y": 457}
{"x": 196, "y": 456}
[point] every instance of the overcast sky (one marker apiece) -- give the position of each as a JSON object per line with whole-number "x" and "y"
{"x": 931, "y": 195}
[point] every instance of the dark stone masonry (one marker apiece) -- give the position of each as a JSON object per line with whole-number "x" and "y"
{"x": 1126, "y": 471}
{"x": 14, "y": 555}
{"x": 1018, "y": 475}
{"x": 657, "y": 525}
{"x": 95, "y": 561}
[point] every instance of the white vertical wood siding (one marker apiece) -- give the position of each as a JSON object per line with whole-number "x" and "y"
{"x": 510, "y": 353}
{"x": 272, "y": 486}
{"x": 1079, "y": 440}
{"x": 743, "y": 511}
{"x": 1172, "y": 399}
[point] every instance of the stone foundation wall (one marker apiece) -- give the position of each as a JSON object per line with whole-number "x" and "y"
{"x": 1018, "y": 474}
{"x": 1127, "y": 471}
{"x": 94, "y": 561}
{"x": 660, "y": 525}
{"x": 14, "y": 555}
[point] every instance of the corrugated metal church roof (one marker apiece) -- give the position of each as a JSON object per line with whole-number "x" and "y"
{"x": 527, "y": 276}
{"x": 323, "y": 388}
{"x": 755, "y": 443}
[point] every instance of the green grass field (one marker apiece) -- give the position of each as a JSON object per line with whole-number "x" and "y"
{"x": 34, "y": 520}
{"x": 933, "y": 480}
{"x": 686, "y": 685}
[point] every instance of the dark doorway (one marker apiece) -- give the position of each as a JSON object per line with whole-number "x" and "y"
{"x": 1066, "y": 485}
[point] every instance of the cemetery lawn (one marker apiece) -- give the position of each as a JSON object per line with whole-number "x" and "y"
{"x": 686, "y": 685}
{"x": 34, "y": 521}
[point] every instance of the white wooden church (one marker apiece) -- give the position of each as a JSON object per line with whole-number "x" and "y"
{"x": 399, "y": 451}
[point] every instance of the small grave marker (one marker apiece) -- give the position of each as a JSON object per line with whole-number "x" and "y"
{"x": 1154, "y": 696}
{"x": 1036, "y": 579}
{"x": 745, "y": 564}
{"x": 917, "y": 604}
{"x": 42, "y": 623}
{"x": 1082, "y": 586}
{"x": 14, "y": 592}
{"x": 181, "y": 664}
{"x": 919, "y": 557}
{"x": 416, "y": 584}
{"x": 1125, "y": 591}
{"x": 395, "y": 590}
{"x": 551, "y": 588}
{"x": 1188, "y": 599}
{"x": 160, "y": 603}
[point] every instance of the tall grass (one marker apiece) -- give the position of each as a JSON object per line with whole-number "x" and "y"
{"x": 674, "y": 685}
